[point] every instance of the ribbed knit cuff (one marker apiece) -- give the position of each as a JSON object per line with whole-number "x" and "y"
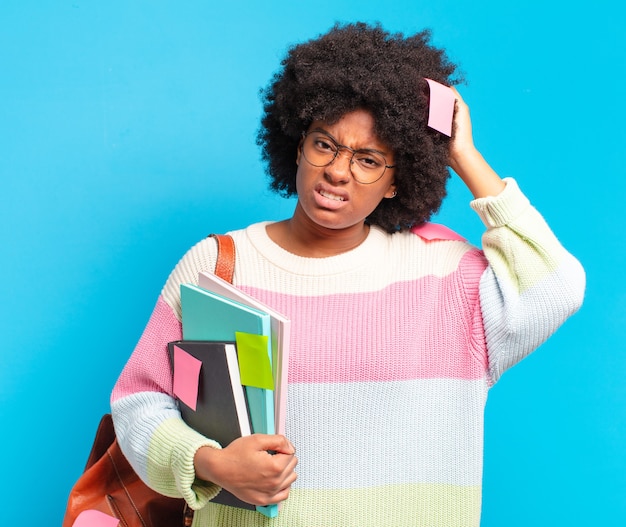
{"x": 174, "y": 437}
{"x": 497, "y": 211}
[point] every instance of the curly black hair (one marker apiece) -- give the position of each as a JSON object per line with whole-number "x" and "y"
{"x": 361, "y": 66}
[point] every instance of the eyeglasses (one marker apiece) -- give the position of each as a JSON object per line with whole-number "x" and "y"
{"x": 320, "y": 150}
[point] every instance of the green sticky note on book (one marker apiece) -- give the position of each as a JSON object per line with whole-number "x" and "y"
{"x": 255, "y": 367}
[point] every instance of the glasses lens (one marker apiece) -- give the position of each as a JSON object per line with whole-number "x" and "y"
{"x": 319, "y": 149}
{"x": 367, "y": 167}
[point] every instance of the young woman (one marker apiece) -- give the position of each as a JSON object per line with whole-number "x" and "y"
{"x": 399, "y": 328}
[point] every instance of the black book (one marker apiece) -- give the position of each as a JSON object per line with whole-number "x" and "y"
{"x": 221, "y": 410}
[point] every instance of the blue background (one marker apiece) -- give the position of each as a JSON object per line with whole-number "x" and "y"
{"x": 127, "y": 133}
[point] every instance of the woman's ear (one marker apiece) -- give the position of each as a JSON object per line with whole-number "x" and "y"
{"x": 299, "y": 152}
{"x": 391, "y": 191}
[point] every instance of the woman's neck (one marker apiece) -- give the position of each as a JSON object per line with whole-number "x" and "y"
{"x": 305, "y": 238}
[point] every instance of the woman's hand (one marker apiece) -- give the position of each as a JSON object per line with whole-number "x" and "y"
{"x": 466, "y": 160}
{"x": 462, "y": 143}
{"x": 247, "y": 469}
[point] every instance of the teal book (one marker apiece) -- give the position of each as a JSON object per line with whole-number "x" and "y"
{"x": 208, "y": 316}
{"x": 281, "y": 334}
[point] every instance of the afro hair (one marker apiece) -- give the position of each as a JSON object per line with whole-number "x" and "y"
{"x": 360, "y": 66}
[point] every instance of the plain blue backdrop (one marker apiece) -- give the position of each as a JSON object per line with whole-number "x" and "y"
{"x": 127, "y": 133}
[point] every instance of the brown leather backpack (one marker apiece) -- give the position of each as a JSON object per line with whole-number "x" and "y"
{"x": 110, "y": 485}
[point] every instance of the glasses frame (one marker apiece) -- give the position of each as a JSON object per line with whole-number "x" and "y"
{"x": 339, "y": 147}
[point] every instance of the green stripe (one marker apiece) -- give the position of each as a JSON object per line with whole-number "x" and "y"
{"x": 388, "y": 506}
{"x": 171, "y": 451}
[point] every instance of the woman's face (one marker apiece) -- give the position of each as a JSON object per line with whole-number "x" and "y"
{"x": 329, "y": 196}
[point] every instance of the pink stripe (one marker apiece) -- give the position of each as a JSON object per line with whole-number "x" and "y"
{"x": 427, "y": 328}
{"x": 151, "y": 356}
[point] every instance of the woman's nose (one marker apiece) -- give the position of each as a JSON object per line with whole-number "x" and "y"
{"x": 339, "y": 170}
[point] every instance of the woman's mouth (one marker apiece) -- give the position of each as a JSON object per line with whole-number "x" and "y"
{"x": 330, "y": 195}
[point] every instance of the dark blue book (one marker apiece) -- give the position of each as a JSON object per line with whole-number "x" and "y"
{"x": 221, "y": 411}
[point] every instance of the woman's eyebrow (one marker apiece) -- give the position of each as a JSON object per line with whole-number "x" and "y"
{"x": 322, "y": 131}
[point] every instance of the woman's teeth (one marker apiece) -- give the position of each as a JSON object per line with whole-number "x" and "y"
{"x": 329, "y": 195}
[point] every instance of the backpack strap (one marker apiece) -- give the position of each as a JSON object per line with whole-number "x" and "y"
{"x": 225, "y": 265}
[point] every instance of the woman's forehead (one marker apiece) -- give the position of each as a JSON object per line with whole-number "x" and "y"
{"x": 356, "y": 129}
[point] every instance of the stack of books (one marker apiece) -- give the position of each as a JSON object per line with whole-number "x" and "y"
{"x": 230, "y": 369}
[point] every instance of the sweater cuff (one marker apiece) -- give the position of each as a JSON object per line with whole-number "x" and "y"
{"x": 195, "y": 492}
{"x": 497, "y": 211}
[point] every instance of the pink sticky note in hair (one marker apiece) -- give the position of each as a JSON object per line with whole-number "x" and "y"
{"x": 441, "y": 107}
{"x": 186, "y": 377}
{"x": 93, "y": 518}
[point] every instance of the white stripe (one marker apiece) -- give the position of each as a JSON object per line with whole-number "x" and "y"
{"x": 375, "y": 264}
{"x": 518, "y": 323}
{"x": 380, "y": 261}
{"x": 361, "y": 434}
{"x": 136, "y": 418}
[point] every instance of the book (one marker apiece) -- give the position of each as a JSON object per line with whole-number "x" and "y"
{"x": 221, "y": 410}
{"x": 281, "y": 333}
{"x": 207, "y": 316}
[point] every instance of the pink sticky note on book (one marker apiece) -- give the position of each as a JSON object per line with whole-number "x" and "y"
{"x": 186, "y": 377}
{"x": 441, "y": 107}
{"x": 93, "y": 518}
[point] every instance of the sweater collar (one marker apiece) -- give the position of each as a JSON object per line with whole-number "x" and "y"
{"x": 368, "y": 252}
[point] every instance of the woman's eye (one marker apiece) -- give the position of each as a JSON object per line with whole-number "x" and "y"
{"x": 368, "y": 161}
{"x": 321, "y": 144}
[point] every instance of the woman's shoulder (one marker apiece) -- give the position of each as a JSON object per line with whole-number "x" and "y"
{"x": 201, "y": 256}
{"x": 430, "y": 231}
{"x": 431, "y": 249}
{"x": 429, "y": 236}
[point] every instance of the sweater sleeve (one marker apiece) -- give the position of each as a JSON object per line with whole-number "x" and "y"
{"x": 532, "y": 284}
{"x": 148, "y": 425}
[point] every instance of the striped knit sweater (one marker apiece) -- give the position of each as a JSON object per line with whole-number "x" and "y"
{"x": 395, "y": 345}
